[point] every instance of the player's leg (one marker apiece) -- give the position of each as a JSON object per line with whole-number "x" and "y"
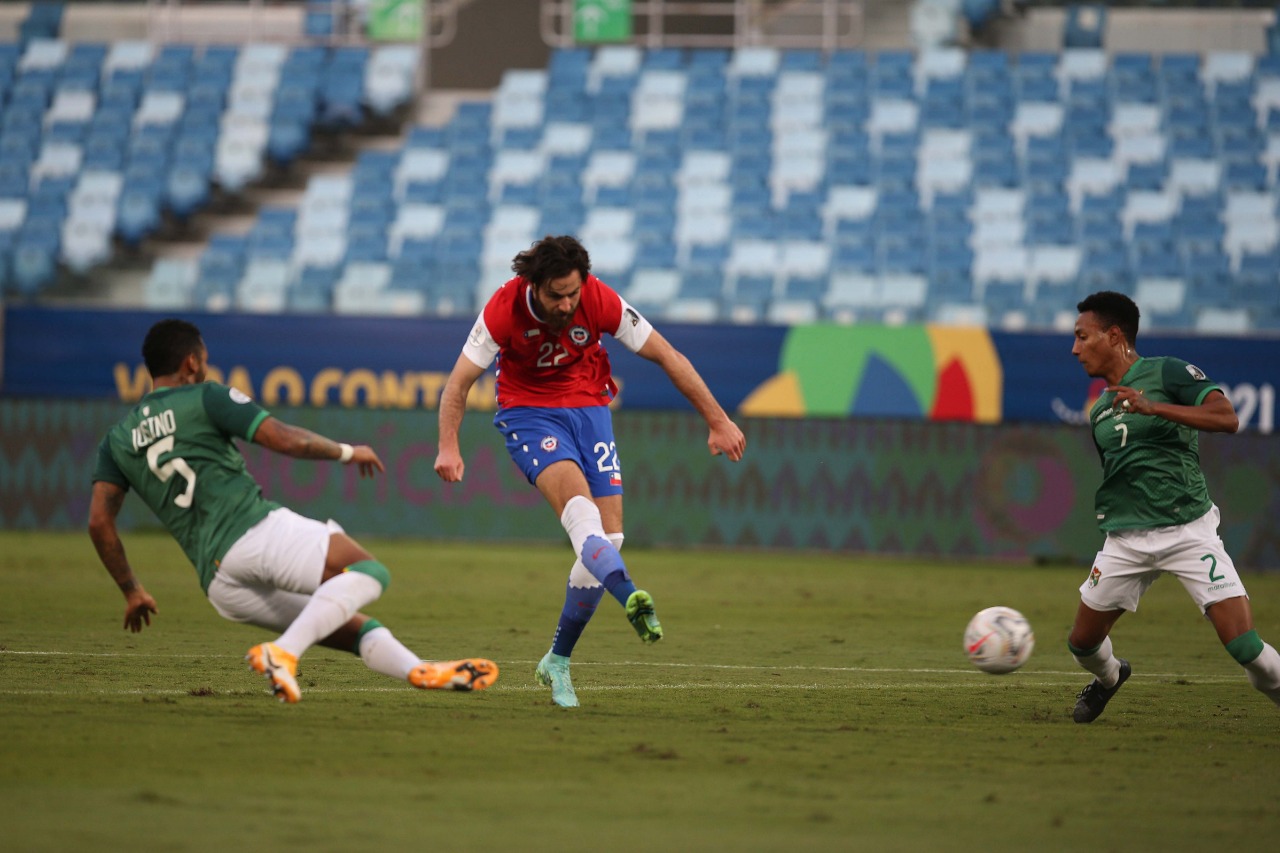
{"x": 350, "y": 580}
{"x": 1095, "y": 655}
{"x": 1116, "y": 582}
{"x": 345, "y": 589}
{"x": 1090, "y": 642}
{"x": 541, "y": 444}
{"x": 582, "y": 519}
{"x": 1209, "y": 576}
{"x": 277, "y": 569}
{"x": 1233, "y": 620}
{"x": 383, "y": 653}
{"x": 270, "y": 578}
{"x": 582, "y": 595}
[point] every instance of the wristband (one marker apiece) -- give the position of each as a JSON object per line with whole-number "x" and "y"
{"x": 347, "y": 452}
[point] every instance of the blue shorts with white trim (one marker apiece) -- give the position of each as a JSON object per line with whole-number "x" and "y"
{"x": 537, "y": 437}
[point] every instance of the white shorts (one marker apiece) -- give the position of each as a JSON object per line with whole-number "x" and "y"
{"x": 269, "y": 574}
{"x": 1131, "y": 560}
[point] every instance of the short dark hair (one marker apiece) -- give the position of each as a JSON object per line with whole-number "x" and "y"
{"x": 552, "y": 257}
{"x": 1113, "y": 309}
{"x": 167, "y": 344}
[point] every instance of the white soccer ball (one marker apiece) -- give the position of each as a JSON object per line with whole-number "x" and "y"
{"x": 998, "y": 640}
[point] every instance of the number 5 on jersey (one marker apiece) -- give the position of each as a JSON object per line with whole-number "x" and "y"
{"x": 176, "y": 464}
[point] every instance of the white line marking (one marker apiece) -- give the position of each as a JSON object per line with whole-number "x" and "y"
{"x": 527, "y": 688}
{"x": 1074, "y": 674}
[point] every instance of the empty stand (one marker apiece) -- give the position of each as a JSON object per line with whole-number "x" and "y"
{"x": 103, "y": 142}
{"x": 749, "y": 186}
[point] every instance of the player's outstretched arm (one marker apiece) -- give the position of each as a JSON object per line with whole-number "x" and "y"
{"x": 725, "y": 436}
{"x": 103, "y": 509}
{"x": 1214, "y": 414}
{"x": 300, "y": 443}
{"x": 453, "y": 404}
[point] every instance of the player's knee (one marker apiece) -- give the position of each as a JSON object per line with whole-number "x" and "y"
{"x": 1245, "y": 648}
{"x": 373, "y": 569}
{"x": 580, "y": 519}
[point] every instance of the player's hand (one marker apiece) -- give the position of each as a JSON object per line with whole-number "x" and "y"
{"x": 726, "y": 438}
{"x": 1129, "y": 400}
{"x": 449, "y": 466}
{"x": 367, "y": 459}
{"x": 139, "y": 605}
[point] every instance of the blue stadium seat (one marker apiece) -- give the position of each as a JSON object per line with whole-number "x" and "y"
{"x": 139, "y": 213}
{"x": 1058, "y": 128}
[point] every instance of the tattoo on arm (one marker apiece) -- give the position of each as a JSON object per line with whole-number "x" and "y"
{"x": 295, "y": 441}
{"x": 107, "y": 539}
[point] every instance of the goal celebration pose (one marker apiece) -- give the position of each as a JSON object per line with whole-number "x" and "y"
{"x": 554, "y": 388}
{"x": 257, "y": 561}
{"x": 1153, "y": 503}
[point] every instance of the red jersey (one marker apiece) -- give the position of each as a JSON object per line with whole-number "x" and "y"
{"x": 536, "y": 366}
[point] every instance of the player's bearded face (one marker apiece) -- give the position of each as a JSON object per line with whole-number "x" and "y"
{"x": 558, "y": 299}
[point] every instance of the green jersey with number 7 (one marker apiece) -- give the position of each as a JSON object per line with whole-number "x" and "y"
{"x": 1151, "y": 473}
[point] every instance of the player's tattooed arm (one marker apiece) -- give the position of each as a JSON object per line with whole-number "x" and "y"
{"x": 302, "y": 443}
{"x": 104, "y": 506}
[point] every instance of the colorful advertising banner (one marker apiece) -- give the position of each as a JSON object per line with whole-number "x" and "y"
{"x": 882, "y": 485}
{"x": 916, "y": 372}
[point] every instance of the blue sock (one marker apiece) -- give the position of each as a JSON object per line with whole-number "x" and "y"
{"x": 605, "y": 564}
{"x": 620, "y": 586}
{"x": 579, "y": 606}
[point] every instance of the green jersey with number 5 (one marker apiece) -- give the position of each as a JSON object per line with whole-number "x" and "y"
{"x": 175, "y": 450}
{"x": 1151, "y": 473}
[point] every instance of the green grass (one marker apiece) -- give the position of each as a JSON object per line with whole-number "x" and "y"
{"x": 799, "y": 702}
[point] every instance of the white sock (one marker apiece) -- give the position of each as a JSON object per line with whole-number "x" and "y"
{"x": 1264, "y": 672}
{"x": 580, "y": 519}
{"x": 1104, "y": 665}
{"x": 383, "y": 653}
{"x": 331, "y": 605}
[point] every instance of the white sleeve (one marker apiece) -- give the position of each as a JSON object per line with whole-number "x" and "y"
{"x": 480, "y": 348}
{"x": 634, "y": 330}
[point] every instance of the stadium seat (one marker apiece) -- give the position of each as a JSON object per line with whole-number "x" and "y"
{"x": 170, "y": 284}
{"x": 1034, "y": 174}
{"x": 389, "y": 78}
{"x": 264, "y": 286}
{"x": 1214, "y": 320}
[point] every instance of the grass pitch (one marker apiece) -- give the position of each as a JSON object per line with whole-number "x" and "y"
{"x": 799, "y": 702}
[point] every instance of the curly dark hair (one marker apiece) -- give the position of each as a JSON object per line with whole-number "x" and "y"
{"x": 1113, "y": 309}
{"x": 167, "y": 344}
{"x": 551, "y": 258}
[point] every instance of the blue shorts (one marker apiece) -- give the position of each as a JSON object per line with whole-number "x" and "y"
{"x": 537, "y": 437}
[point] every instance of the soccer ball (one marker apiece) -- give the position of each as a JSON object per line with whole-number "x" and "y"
{"x": 998, "y": 640}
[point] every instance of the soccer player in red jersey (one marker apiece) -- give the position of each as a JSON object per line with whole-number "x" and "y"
{"x": 554, "y": 387}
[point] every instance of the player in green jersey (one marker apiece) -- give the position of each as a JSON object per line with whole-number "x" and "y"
{"x": 1153, "y": 504}
{"x": 258, "y": 562}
